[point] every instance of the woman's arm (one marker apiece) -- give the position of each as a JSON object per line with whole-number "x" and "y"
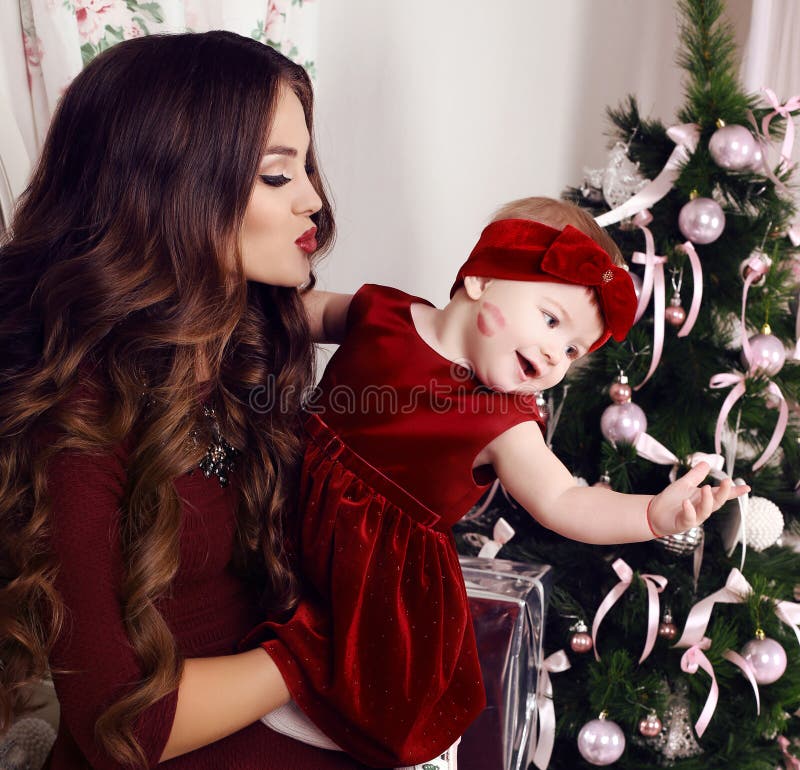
{"x": 327, "y": 314}
{"x": 218, "y": 696}
{"x": 540, "y": 482}
{"x": 93, "y": 661}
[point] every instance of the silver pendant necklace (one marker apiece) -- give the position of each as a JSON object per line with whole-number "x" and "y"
{"x": 220, "y": 457}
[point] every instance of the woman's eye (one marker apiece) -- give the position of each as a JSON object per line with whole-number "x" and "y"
{"x": 550, "y": 320}
{"x": 275, "y": 181}
{"x": 572, "y": 352}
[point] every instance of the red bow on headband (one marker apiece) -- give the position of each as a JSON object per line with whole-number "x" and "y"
{"x": 523, "y": 250}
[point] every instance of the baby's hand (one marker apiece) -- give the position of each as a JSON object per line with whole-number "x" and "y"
{"x": 683, "y": 505}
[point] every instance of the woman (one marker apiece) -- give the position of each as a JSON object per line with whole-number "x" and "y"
{"x": 148, "y": 287}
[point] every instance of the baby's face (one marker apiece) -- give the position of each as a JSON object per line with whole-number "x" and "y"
{"x": 522, "y": 336}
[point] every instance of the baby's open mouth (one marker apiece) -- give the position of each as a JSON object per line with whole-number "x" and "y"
{"x": 528, "y": 369}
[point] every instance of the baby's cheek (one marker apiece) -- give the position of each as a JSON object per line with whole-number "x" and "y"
{"x": 484, "y": 325}
{"x": 490, "y": 319}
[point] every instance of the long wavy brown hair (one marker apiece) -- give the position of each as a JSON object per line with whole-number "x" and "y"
{"x": 115, "y": 275}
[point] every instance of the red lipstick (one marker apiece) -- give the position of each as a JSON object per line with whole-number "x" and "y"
{"x": 308, "y": 240}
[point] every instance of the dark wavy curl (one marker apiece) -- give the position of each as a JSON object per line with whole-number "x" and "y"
{"x": 116, "y": 275}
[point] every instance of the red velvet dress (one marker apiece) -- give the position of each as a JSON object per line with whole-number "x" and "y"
{"x": 381, "y": 654}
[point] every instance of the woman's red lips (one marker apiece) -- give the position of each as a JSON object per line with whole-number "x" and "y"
{"x": 308, "y": 240}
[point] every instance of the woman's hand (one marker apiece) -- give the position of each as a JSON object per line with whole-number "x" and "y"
{"x": 684, "y": 504}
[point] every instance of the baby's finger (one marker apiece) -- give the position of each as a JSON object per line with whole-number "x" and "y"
{"x": 737, "y": 490}
{"x": 687, "y": 517}
{"x": 694, "y": 476}
{"x": 722, "y": 493}
{"x": 706, "y": 504}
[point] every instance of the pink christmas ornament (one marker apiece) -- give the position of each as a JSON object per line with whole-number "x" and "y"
{"x": 619, "y": 390}
{"x": 623, "y": 423}
{"x": 757, "y": 164}
{"x": 650, "y": 726}
{"x": 581, "y": 640}
{"x": 601, "y": 741}
{"x": 701, "y": 220}
{"x": 674, "y": 313}
{"x": 766, "y": 657}
{"x": 767, "y": 353}
{"x": 733, "y": 147}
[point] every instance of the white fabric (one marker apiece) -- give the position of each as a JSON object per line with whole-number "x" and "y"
{"x": 290, "y": 720}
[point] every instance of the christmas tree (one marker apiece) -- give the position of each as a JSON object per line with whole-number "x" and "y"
{"x": 722, "y": 203}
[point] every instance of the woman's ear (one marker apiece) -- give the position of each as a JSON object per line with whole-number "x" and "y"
{"x": 475, "y": 285}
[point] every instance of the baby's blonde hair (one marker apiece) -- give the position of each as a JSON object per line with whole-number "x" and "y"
{"x": 559, "y": 214}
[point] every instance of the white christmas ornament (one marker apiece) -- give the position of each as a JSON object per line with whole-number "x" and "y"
{"x": 764, "y": 523}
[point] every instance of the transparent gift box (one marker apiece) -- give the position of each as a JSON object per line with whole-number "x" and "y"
{"x": 507, "y": 601}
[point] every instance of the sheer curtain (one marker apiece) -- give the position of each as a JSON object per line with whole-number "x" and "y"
{"x": 772, "y": 54}
{"x": 45, "y": 43}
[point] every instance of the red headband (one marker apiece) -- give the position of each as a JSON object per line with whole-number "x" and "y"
{"x": 523, "y": 250}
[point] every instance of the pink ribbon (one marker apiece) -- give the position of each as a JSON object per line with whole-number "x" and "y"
{"x": 747, "y": 669}
{"x": 756, "y": 262}
{"x": 686, "y": 137}
{"x": 655, "y": 584}
{"x": 785, "y": 111}
{"x": 653, "y": 450}
{"x": 735, "y": 591}
{"x": 737, "y": 379}
{"x": 695, "y": 658}
{"x": 691, "y": 660}
{"x": 540, "y": 751}
{"x": 789, "y": 614}
{"x": 791, "y": 761}
{"x": 697, "y": 288}
{"x": 501, "y": 534}
{"x": 653, "y": 281}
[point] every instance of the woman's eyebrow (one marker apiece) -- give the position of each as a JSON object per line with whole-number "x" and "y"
{"x": 281, "y": 150}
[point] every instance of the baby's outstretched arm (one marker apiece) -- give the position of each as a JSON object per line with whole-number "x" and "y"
{"x": 540, "y": 482}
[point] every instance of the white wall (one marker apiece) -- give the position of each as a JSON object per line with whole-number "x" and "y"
{"x": 430, "y": 114}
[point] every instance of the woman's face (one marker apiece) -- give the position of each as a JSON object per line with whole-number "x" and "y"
{"x": 277, "y": 235}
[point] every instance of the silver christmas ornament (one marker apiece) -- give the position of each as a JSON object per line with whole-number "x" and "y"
{"x": 677, "y": 740}
{"x": 621, "y": 179}
{"x": 682, "y": 543}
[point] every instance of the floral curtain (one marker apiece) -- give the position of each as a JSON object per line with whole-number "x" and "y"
{"x": 61, "y": 36}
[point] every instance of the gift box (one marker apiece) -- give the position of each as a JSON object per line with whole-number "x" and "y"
{"x": 507, "y": 601}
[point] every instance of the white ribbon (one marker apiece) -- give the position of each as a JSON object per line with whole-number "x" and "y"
{"x": 686, "y": 137}
{"x": 540, "y": 751}
{"x": 501, "y": 534}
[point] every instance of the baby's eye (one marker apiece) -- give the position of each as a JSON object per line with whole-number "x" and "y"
{"x": 572, "y": 352}
{"x": 550, "y": 320}
{"x": 278, "y": 180}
